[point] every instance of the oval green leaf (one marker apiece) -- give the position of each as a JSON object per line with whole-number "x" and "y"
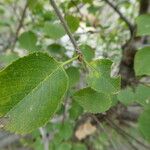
{"x": 54, "y": 30}
{"x": 92, "y": 101}
{"x": 27, "y": 40}
{"x": 31, "y": 90}
{"x": 99, "y": 77}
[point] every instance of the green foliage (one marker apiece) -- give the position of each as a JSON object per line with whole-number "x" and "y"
{"x": 141, "y": 62}
{"x": 92, "y": 101}
{"x": 87, "y": 51}
{"x": 65, "y": 130}
{"x": 126, "y": 96}
{"x": 65, "y": 146}
{"x": 28, "y": 91}
{"x": 54, "y": 30}
{"x": 75, "y": 111}
{"x": 144, "y": 124}
{"x": 73, "y": 22}
{"x": 79, "y": 146}
{"x": 73, "y": 74}
{"x": 142, "y": 95}
{"x": 32, "y": 88}
{"x": 99, "y": 77}
{"x": 56, "y": 49}
{"x": 28, "y": 40}
{"x": 143, "y": 25}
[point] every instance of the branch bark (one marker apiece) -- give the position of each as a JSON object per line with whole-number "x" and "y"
{"x": 58, "y": 13}
{"x": 20, "y": 25}
{"x": 116, "y": 9}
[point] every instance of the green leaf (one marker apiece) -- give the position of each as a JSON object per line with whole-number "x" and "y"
{"x": 65, "y": 146}
{"x": 99, "y": 77}
{"x": 29, "y": 94}
{"x": 142, "y": 62}
{"x": 143, "y": 25}
{"x": 75, "y": 110}
{"x": 73, "y": 74}
{"x": 79, "y": 146}
{"x": 92, "y": 101}
{"x": 142, "y": 95}
{"x": 144, "y": 124}
{"x": 73, "y": 22}
{"x": 87, "y": 51}
{"x": 27, "y": 40}
{"x": 126, "y": 96}
{"x": 114, "y": 100}
{"x": 56, "y": 49}
{"x": 66, "y": 130}
{"x": 54, "y": 30}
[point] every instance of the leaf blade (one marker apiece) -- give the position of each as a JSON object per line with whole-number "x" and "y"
{"x": 33, "y": 109}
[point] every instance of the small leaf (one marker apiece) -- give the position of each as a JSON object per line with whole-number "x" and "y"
{"x": 73, "y": 22}
{"x": 142, "y": 62}
{"x": 56, "y": 49}
{"x": 144, "y": 124}
{"x": 92, "y": 101}
{"x": 29, "y": 94}
{"x": 143, "y": 25}
{"x": 142, "y": 95}
{"x": 87, "y": 52}
{"x": 27, "y": 40}
{"x": 99, "y": 77}
{"x": 54, "y": 30}
{"x": 126, "y": 96}
{"x": 73, "y": 74}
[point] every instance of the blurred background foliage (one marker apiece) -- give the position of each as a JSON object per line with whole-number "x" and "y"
{"x": 29, "y": 26}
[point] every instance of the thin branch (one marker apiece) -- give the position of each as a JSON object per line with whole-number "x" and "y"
{"x": 20, "y": 25}
{"x": 123, "y": 136}
{"x": 57, "y": 11}
{"x": 125, "y": 133}
{"x": 101, "y": 126}
{"x": 131, "y": 27}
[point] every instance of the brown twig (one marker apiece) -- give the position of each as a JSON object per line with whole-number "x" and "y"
{"x": 57, "y": 11}
{"x": 131, "y": 27}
